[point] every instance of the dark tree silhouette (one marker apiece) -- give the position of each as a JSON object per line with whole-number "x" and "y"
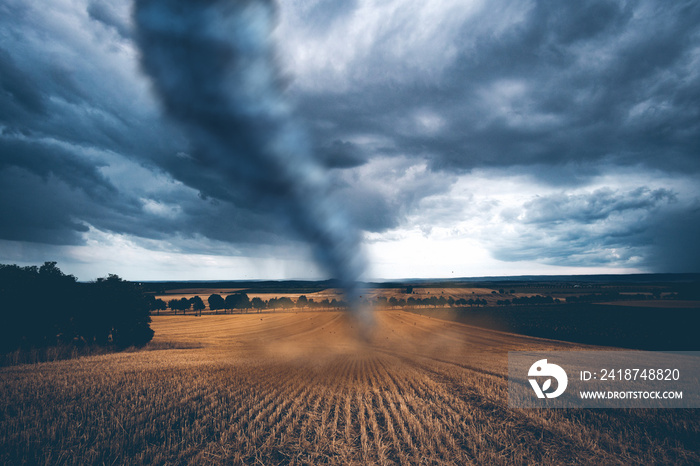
{"x": 197, "y": 304}
{"x": 158, "y": 305}
{"x": 42, "y": 306}
{"x": 281, "y": 303}
{"x": 230, "y": 302}
{"x": 184, "y": 305}
{"x": 124, "y": 311}
{"x": 257, "y": 303}
{"x": 216, "y": 302}
{"x": 237, "y": 301}
{"x": 174, "y": 305}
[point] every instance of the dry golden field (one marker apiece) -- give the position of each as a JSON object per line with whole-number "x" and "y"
{"x": 302, "y": 388}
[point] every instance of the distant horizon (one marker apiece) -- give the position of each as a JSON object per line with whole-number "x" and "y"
{"x": 533, "y": 277}
{"x": 69, "y": 270}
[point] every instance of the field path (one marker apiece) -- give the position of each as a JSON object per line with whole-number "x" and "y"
{"x": 308, "y": 388}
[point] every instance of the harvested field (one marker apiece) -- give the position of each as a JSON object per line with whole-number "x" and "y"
{"x": 296, "y": 388}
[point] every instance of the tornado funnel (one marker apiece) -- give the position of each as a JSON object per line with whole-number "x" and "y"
{"x": 212, "y": 65}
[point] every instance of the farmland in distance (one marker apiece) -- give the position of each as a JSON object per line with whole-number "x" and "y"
{"x": 306, "y": 388}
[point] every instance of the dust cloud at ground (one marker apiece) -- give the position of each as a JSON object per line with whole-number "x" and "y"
{"x": 307, "y": 336}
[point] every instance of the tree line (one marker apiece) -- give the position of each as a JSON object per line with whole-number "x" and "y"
{"x": 432, "y": 301}
{"x": 42, "y": 307}
{"x": 528, "y": 300}
{"x": 240, "y": 301}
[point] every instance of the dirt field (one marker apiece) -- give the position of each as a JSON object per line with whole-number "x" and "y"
{"x": 303, "y": 388}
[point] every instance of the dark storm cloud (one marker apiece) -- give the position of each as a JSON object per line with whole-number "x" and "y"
{"x": 341, "y": 154}
{"x": 601, "y": 227}
{"x": 675, "y": 236}
{"x": 562, "y": 92}
{"x": 82, "y": 144}
{"x": 599, "y": 205}
{"x": 369, "y": 209}
{"x": 558, "y": 92}
{"x": 50, "y": 220}
{"x": 583, "y": 83}
{"x": 44, "y": 160}
{"x": 104, "y": 12}
{"x": 19, "y": 94}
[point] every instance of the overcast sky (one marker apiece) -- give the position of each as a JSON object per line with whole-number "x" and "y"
{"x": 461, "y": 138}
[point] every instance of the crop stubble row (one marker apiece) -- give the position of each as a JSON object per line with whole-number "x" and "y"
{"x": 381, "y": 402}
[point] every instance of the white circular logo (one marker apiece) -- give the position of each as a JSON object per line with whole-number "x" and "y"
{"x": 544, "y": 369}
